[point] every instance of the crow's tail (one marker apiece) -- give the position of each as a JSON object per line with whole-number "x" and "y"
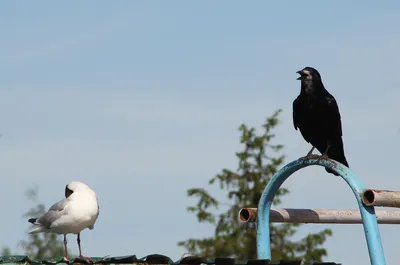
{"x": 336, "y": 152}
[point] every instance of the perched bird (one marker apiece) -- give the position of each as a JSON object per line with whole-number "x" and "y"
{"x": 316, "y": 114}
{"x": 78, "y": 211}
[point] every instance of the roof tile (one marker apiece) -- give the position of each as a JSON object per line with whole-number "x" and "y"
{"x": 152, "y": 259}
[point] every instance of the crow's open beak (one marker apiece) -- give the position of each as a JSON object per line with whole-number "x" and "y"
{"x": 300, "y": 73}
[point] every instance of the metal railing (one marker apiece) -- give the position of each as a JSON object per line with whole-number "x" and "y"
{"x": 366, "y": 200}
{"x": 317, "y": 216}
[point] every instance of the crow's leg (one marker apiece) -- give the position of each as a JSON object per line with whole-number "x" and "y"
{"x": 328, "y": 146}
{"x": 310, "y": 153}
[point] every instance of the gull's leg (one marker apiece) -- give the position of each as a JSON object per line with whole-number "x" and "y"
{"x": 80, "y": 250}
{"x": 310, "y": 153}
{"x": 65, "y": 247}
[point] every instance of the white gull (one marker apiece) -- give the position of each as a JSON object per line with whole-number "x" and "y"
{"x": 78, "y": 211}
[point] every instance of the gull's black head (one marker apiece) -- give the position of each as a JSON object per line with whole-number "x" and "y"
{"x": 68, "y": 191}
{"x": 309, "y": 74}
{"x": 75, "y": 186}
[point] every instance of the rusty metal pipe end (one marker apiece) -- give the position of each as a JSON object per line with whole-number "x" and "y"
{"x": 383, "y": 198}
{"x": 247, "y": 215}
{"x": 368, "y": 197}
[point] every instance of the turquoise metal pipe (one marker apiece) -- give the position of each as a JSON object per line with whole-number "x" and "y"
{"x": 370, "y": 223}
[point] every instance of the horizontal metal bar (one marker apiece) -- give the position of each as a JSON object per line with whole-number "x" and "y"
{"x": 323, "y": 216}
{"x": 384, "y": 198}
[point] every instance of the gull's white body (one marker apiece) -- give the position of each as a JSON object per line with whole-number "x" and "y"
{"x": 71, "y": 215}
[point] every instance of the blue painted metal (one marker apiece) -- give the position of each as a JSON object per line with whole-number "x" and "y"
{"x": 367, "y": 212}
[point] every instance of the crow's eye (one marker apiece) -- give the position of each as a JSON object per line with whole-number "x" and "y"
{"x": 309, "y": 77}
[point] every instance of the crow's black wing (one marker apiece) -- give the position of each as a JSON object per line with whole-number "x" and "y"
{"x": 295, "y": 113}
{"x": 298, "y": 118}
{"x": 334, "y": 117}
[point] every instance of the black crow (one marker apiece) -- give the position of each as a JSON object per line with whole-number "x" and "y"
{"x": 316, "y": 114}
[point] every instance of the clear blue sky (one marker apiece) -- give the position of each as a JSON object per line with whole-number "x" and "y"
{"x": 142, "y": 100}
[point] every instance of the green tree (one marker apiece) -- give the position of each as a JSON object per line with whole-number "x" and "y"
{"x": 42, "y": 245}
{"x": 6, "y": 251}
{"x": 258, "y": 162}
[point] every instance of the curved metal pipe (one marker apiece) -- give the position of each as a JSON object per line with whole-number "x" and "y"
{"x": 370, "y": 223}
